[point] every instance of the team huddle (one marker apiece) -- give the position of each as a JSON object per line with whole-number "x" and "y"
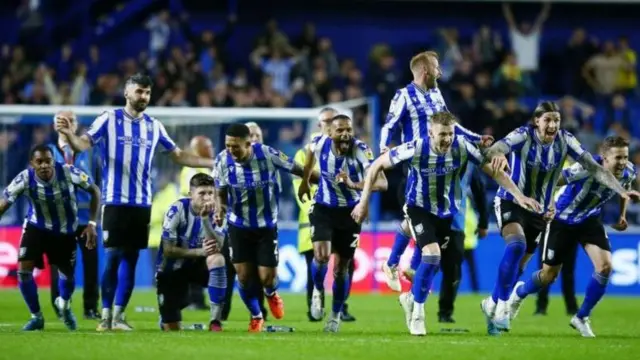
{"x": 538, "y": 203}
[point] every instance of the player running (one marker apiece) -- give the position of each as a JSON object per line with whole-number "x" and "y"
{"x": 247, "y": 192}
{"x": 50, "y": 227}
{"x": 577, "y": 221}
{"x": 537, "y": 152}
{"x": 190, "y": 254}
{"x": 433, "y": 197}
{"x": 343, "y": 161}
{"x": 411, "y": 110}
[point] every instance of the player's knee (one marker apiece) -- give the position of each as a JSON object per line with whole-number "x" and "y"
{"x": 340, "y": 268}
{"x": 26, "y": 266}
{"x": 215, "y": 260}
{"x": 404, "y": 228}
{"x": 549, "y": 274}
{"x": 321, "y": 257}
{"x": 25, "y": 275}
{"x": 605, "y": 268}
{"x": 515, "y": 239}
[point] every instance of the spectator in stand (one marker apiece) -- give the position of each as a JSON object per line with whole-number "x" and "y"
{"x": 509, "y": 79}
{"x": 601, "y": 73}
{"x": 627, "y": 77}
{"x": 513, "y": 116}
{"x": 619, "y": 113}
{"x": 488, "y": 48}
{"x": 579, "y": 50}
{"x": 276, "y": 62}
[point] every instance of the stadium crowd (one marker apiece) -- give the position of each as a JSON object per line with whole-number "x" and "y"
{"x": 491, "y": 79}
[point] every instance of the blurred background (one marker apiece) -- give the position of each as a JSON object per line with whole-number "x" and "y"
{"x": 498, "y": 61}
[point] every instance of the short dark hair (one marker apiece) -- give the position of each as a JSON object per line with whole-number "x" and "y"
{"x": 543, "y": 108}
{"x": 340, "y": 117}
{"x": 140, "y": 80}
{"x": 201, "y": 179}
{"x": 238, "y": 130}
{"x": 611, "y": 142}
{"x": 444, "y": 118}
{"x": 39, "y": 148}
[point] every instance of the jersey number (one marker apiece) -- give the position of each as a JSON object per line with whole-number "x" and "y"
{"x": 356, "y": 239}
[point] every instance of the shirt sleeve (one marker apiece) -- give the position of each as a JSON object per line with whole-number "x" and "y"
{"x": 403, "y": 152}
{"x": 397, "y": 109}
{"x": 574, "y": 173}
{"x": 516, "y": 139}
{"x": 98, "y": 129}
{"x": 171, "y": 223}
{"x": 574, "y": 149}
{"x": 473, "y": 153}
{"x": 79, "y": 177}
{"x": 364, "y": 155}
{"x": 16, "y": 187}
{"x": 278, "y": 158}
{"x": 165, "y": 140}
{"x": 219, "y": 172}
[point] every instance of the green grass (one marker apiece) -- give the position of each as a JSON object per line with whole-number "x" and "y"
{"x": 379, "y": 333}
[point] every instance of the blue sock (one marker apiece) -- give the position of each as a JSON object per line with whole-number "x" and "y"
{"x": 399, "y": 246}
{"x": 416, "y": 258}
{"x": 217, "y": 284}
{"x": 271, "y": 290}
{"x": 66, "y": 286}
{"x": 126, "y": 278}
{"x": 509, "y": 265}
{"x": 496, "y": 290}
{"x": 110, "y": 277}
{"x": 340, "y": 291}
{"x": 250, "y": 300}
{"x": 319, "y": 272}
{"x": 424, "y": 277}
{"x": 29, "y": 291}
{"x": 530, "y": 286}
{"x": 595, "y": 291}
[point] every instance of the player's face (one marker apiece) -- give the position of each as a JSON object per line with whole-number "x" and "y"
{"x": 201, "y": 195}
{"x": 548, "y": 126}
{"x": 137, "y": 96}
{"x": 615, "y": 160}
{"x": 42, "y": 163}
{"x": 432, "y": 73}
{"x": 325, "y": 122}
{"x": 255, "y": 134}
{"x": 237, "y": 147}
{"x": 442, "y": 136}
{"x": 342, "y": 134}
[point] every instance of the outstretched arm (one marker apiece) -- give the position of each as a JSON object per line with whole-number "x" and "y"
{"x": 602, "y": 175}
{"x": 373, "y": 174}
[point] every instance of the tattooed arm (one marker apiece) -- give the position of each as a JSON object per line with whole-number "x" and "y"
{"x": 602, "y": 175}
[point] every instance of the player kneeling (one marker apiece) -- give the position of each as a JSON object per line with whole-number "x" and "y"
{"x": 577, "y": 219}
{"x": 190, "y": 254}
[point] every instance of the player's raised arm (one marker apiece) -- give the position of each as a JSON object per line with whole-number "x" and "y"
{"x": 17, "y": 186}
{"x": 221, "y": 185}
{"x": 95, "y": 134}
{"x": 397, "y": 110}
{"x": 170, "y": 226}
{"x": 602, "y": 175}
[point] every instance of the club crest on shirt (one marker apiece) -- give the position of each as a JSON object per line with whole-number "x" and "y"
{"x": 368, "y": 154}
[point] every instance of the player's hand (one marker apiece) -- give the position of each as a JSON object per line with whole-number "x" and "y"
{"x": 499, "y": 163}
{"x": 550, "y": 214}
{"x": 529, "y": 204}
{"x": 621, "y": 225}
{"x": 62, "y": 125}
{"x": 383, "y": 150}
{"x": 211, "y": 247}
{"x": 218, "y": 216}
{"x": 207, "y": 209}
{"x": 342, "y": 177}
{"x": 360, "y": 213}
{"x": 482, "y": 233}
{"x": 633, "y": 195}
{"x": 303, "y": 190}
{"x": 90, "y": 234}
{"x": 486, "y": 141}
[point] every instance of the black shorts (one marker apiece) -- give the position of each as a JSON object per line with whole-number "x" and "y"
{"x": 172, "y": 289}
{"x": 125, "y": 226}
{"x": 335, "y": 225}
{"x": 257, "y": 246}
{"x": 562, "y": 237}
{"x": 508, "y": 212}
{"x": 60, "y": 249}
{"x": 427, "y": 228}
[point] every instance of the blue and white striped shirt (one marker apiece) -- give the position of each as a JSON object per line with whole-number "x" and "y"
{"x": 330, "y": 192}
{"x": 183, "y": 228}
{"x": 252, "y": 186}
{"x": 53, "y": 204}
{"x": 84, "y": 162}
{"x": 535, "y": 166}
{"x": 128, "y": 146}
{"x": 434, "y": 179}
{"x": 583, "y": 196}
{"x": 411, "y": 110}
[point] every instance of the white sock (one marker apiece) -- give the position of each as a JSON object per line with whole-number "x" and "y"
{"x": 491, "y": 305}
{"x": 118, "y": 312}
{"x": 65, "y": 304}
{"x": 106, "y": 313}
{"x": 216, "y": 311}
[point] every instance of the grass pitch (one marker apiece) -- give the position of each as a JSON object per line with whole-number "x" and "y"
{"x": 379, "y": 333}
